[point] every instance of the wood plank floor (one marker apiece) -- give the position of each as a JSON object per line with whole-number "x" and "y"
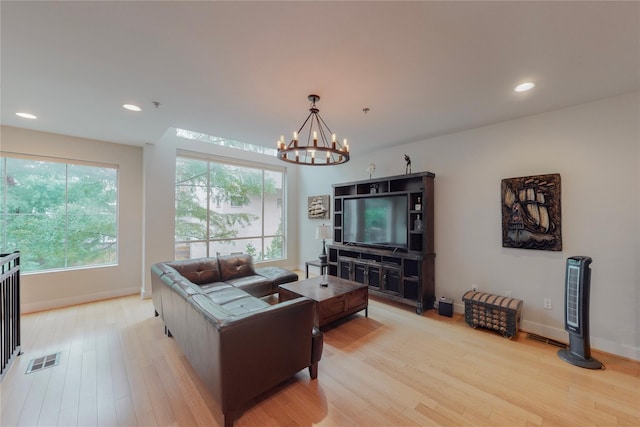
{"x": 392, "y": 368}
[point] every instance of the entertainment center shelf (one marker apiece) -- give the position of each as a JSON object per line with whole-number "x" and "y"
{"x": 399, "y": 266}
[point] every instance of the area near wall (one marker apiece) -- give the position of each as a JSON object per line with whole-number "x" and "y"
{"x": 595, "y": 147}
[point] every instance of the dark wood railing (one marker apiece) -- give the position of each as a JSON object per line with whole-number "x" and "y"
{"x": 9, "y": 310}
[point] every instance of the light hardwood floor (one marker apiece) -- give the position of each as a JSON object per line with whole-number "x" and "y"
{"x": 392, "y": 368}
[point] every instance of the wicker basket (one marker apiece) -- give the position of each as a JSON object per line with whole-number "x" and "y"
{"x": 490, "y": 311}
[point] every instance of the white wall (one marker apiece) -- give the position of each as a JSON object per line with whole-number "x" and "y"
{"x": 317, "y": 181}
{"x": 41, "y": 291}
{"x": 596, "y": 149}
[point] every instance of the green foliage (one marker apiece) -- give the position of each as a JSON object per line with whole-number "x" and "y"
{"x": 58, "y": 215}
{"x": 214, "y": 201}
{"x": 250, "y": 249}
{"x": 274, "y": 250}
{"x": 198, "y": 187}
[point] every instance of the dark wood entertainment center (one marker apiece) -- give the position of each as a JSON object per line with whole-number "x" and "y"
{"x": 404, "y": 275}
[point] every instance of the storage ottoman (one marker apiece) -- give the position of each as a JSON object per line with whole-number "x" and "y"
{"x": 490, "y": 311}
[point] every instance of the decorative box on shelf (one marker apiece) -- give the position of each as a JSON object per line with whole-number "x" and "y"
{"x": 490, "y": 311}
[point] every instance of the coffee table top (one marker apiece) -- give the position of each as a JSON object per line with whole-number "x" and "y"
{"x": 311, "y": 288}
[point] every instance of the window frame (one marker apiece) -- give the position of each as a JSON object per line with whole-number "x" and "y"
{"x": 263, "y": 167}
{"x": 69, "y": 264}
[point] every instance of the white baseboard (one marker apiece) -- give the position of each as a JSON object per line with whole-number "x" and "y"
{"x": 554, "y": 333}
{"x": 602, "y": 344}
{"x": 80, "y": 299}
{"x": 545, "y": 331}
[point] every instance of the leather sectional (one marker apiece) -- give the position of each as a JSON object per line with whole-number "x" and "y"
{"x": 240, "y": 345}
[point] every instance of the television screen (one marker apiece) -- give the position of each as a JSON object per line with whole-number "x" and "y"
{"x": 376, "y": 221}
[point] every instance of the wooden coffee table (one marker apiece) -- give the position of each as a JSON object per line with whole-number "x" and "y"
{"x": 339, "y": 299}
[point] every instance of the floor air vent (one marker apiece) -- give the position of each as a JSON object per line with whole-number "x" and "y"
{"x": 546, "y": 340}
{"x": 43, "y": 362}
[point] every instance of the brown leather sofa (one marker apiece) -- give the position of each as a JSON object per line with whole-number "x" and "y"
{"x": 239, "y": 345}
{"x": 237, "y": 270}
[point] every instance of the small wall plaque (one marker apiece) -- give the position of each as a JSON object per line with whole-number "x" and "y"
{"x": 318, "y": 207}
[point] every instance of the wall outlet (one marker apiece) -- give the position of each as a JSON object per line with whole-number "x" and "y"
{"x": 474, "y": 287}
{"x": 547, "y": 303}
{"x": 507, "y": 294}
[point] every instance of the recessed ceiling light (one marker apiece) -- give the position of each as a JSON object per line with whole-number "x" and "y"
{"x": 26, "y": 115}
{"x": 132, "y": 107}
{"x": 523, "y": 87}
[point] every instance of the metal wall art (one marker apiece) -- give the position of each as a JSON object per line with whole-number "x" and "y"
{"x": 531, "y": 212}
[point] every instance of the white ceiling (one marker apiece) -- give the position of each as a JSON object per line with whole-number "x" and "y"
{"x": 243, "y": 70}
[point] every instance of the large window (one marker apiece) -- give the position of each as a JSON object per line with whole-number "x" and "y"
{"x": 59, "y": 215}
{"x": 224, "y": 208}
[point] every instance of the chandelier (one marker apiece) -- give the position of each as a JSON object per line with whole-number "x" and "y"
{"x": 317, "y": 149}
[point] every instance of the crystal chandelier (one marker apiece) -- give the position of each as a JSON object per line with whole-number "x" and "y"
{"x": 318, "y": 149}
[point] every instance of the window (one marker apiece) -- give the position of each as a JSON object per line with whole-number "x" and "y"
{"x": 58, "y": 215}
{"x": 224, "y": 208}
{"x": 224, "y": 142}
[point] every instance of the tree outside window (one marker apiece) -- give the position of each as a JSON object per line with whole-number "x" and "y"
{"x": 224, "y": 208}
{"x": 58, "y": 215}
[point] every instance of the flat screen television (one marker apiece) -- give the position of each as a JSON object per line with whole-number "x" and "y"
{"x": 377, "y": 221}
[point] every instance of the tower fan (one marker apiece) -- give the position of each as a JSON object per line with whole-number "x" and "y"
{"x": 576, "y": 313}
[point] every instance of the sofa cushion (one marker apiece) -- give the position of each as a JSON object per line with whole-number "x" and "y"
{"x": 220, "y": 311}
{"x": 208, "y": 287}
{"x": 199, "y": 271}
{"x": 215, "y": 313}
{"x": 234, "y": 266}
{"x": 224, "y": 294}
{"x": 247, "y": 304}
{"x": 277, "y": 275}
{"x": 256, "y": 285}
